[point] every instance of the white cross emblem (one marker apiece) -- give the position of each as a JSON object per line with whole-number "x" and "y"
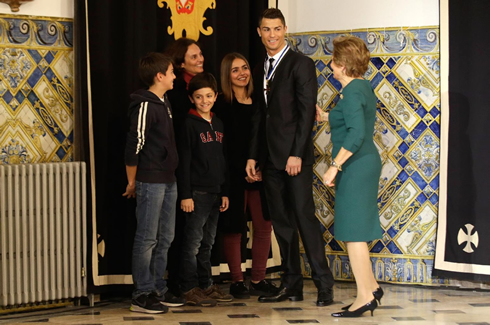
{"x": 468, "y": 238}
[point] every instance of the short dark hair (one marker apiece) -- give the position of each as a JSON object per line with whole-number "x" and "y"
{"x": 178, "y": 49}
{"x": 151, "y": 64}
{"x": 272, "y": 13}
{"x": 202, "y": 80}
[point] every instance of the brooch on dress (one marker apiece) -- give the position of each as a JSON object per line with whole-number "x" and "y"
{"x": 340, "y": 94}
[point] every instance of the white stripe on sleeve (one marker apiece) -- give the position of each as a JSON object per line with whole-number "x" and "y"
{"x": 141, "y": 126}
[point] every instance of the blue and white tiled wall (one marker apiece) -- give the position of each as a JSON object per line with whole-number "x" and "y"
{"x": 404, "y": 73}
{"x": 36, "y": 89}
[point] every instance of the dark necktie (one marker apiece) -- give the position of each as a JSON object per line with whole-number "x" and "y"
{"x": 268, "y": 77}
{"x": 269, "y": 70}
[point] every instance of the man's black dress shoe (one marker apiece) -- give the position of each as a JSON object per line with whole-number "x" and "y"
{"x": 282, "y": 295}
{"x": 325, "y": 297}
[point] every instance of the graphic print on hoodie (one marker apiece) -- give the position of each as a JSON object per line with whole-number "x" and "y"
{"x": 202, "y": 157}
{"x": 150, "y": 142}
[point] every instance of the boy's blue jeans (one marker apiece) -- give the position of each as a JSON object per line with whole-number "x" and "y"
{"x": 155, "y": 216}
{"x": 199, "y": 235}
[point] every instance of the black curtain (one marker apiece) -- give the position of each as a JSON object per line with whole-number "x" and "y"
{"x": 119, "y": 33}
{"x": 468, "y": 198}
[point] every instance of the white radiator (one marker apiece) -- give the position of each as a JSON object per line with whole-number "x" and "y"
{"x": 42, "y": 232}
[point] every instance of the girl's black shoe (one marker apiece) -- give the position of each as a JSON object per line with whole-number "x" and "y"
{"x": 372, "y": 305}
{"x": 378, "y": 294}
{"x": 239, "y": 290}
{"x": 264, "y": 287}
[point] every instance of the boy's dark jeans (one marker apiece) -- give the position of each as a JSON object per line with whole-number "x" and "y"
{"x": 199, "y": 235}
{"x": 155, "y": 216}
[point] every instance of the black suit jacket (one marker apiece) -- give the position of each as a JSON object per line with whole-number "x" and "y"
{"x": 282, "y": 127}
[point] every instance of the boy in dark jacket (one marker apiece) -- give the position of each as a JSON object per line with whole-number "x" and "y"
{"x": 151, "y": 160}
{"x": 203, "y": 189}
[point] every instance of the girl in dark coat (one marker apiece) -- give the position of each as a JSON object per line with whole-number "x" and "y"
{"x": 246, "y": 195}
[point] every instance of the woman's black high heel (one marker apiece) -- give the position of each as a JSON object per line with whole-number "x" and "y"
{"x": 371, "y": 306}
{"x": 378, "y": 294}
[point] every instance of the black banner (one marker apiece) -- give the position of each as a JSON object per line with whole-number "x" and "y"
{"x": 463, "y": 239}
{"x": 119, "y": 33}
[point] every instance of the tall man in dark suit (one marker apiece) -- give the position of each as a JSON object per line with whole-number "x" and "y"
{"x": 286, "y": 88}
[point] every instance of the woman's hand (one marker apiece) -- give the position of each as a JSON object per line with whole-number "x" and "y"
{"x": 257, "y": 177}
{"x": 329, "y": 176}
{"x": 321, "y": 116}
{"x": 250, "y": 169}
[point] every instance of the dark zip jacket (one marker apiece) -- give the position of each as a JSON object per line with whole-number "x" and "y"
{"x": 150, "y": 143}
{"x": 202, "y": 157}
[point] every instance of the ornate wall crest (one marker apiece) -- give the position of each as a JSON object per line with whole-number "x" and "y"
{"x": 15, "y": 4}
{"x": 188, "y": 15}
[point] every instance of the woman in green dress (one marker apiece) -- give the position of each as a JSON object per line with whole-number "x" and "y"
{"x": 355, "y": 168}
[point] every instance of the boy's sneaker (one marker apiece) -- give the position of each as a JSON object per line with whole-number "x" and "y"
{"x": 169, "y": 300}
{"x": 264, "y": 287}
{"x": 239, "y": 290}
{"x": 148, "y": 304}
{"x": 215, "y": 292}
{"x": 196, "y": 297}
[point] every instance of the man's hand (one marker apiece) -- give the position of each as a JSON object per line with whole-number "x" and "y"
{"x": 293, "y": 166}
{"x": 130, "y": 191}
{"x": 225, "y": 203}
{"x": 187, "y": 205}
{"x": 250, "y": 169}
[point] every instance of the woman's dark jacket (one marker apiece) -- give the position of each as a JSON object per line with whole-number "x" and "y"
{"x": 236, "y": 118}
{"x": 181, "y": 104}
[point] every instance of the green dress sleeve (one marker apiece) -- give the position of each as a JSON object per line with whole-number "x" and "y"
{"x": 353, "y": 112}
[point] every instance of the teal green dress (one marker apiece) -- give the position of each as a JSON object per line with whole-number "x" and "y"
{"x": 356, "y": 186}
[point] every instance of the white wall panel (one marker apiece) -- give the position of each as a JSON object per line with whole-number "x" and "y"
{"x": 331, "y": 15}
{"x": 44, "y": 8}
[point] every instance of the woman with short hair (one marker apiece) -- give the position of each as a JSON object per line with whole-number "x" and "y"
{"x": 355, "y": 168}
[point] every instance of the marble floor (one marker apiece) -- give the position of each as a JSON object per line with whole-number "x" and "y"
{"x": 401, "y": 304}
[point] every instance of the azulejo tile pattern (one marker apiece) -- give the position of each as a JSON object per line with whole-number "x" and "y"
{"x": 36, "y": 89}
{"x": 404, "y": 73}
